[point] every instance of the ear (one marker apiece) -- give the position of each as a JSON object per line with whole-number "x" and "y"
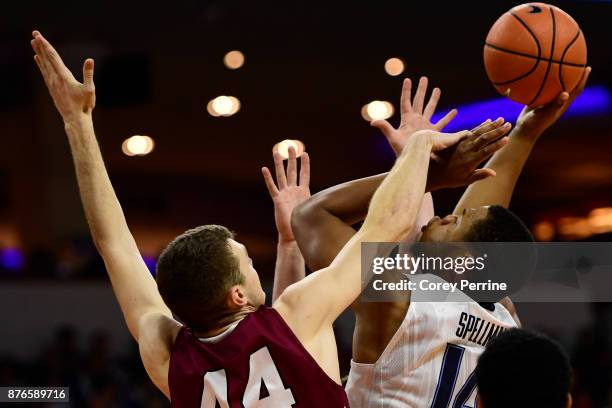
{"x": 236, "y": 297}
{"x": 569, "y": 401}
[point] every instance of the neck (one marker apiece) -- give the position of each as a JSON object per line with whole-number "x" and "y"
{"x": 222, "y": 323}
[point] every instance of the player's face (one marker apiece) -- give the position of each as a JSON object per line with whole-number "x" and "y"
{"x": 252, "y": 285}
{"x": 452, "y": 228}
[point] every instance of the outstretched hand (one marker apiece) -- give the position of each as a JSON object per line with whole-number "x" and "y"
{"x": 288, "y": 192}
{"x": 414, "y": 115}
{"x": 457, "y": 165}
{"x": 535, "y": 120}
{"x": 71, "y": 97}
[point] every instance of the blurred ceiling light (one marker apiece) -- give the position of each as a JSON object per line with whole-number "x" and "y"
{"x": 234, "y": 59}
{"x": 235, "y": 105}
{"x": 600, "y": 220}
{"x": 283, "y": 147}
{"x": 223, "y": 106}
{"x": 574, "y": 227}
{"x": 394, "y": 66}
{"x": 377, "y": 110}
{"x": 544, "y": 231}
{"x": 138, "y": 145}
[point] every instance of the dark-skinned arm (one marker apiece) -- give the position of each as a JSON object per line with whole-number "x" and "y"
{"x": 509, "y": 162}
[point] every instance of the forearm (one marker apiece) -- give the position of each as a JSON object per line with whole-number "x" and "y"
{"x": 322, "y": 225}
{"x": 102, "y": 209}
{"x": 508, "y": 163}
{"x": 134, "y": 286}
{"x": 395, "y": 204}
{"x": 349, "y": 201}
{"x": 289, "y": 268}
{"x": 391, "y": 216}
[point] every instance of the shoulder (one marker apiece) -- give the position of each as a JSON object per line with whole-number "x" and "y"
{"x": 157, "y": 333}
{"x": 509, "y": 305}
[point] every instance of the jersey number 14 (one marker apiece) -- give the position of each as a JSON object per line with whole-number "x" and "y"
{"x": 447, "y": 382}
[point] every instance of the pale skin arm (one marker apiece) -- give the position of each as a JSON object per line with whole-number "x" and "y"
{"x": 287, "y": 193}
{"x": 148, "y": 318}
{"x": 393, "y": 210}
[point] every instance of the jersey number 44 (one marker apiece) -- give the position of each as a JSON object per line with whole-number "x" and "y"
{"x": 263, "y": 376}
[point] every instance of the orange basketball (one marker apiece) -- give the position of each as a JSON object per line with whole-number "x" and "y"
{"x": 534, "y": 52}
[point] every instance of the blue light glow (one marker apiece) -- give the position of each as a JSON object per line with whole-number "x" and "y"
{"x": 594, "y": 100}
{"x": 151, "y": 263}
{"x": 11, "y": 259}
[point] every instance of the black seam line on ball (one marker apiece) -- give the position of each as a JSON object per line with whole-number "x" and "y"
{"x": 552, "y": 50}
{"x": 563, "y": 56}
{"x": 535, "y": 66}
{"x": 522, "y": 54}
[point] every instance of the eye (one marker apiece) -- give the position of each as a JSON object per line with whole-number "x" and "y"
{"x": 464, "y": 211}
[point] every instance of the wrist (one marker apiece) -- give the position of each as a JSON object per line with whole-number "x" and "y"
{"x": 78, "y": 122}
{"x": 421, "y": 140}
{"x": 526, "y": 132}
{"x": 286, "y": 242}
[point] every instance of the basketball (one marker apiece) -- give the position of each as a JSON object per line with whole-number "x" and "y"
{"x": 534, "y": 52}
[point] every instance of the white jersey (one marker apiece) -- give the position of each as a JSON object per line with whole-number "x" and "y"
{"x": 430, "y": 360}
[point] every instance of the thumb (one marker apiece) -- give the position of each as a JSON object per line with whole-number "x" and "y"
{"x": 562, "y": 98}
{"x": 480, "y": 174}
{"x": 384, "y": 126}
{"x": 443, "y": 140}
{"x": 88, "y": 72}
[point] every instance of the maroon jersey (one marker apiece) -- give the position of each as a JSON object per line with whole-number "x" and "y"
{"x": 260, "y": 364}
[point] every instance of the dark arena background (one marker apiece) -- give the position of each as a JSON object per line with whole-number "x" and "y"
{"x": 309, "y": 70}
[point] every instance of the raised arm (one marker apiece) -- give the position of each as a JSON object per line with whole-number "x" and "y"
{"x": 148, "y": 318}
{"x": 315, "y": 302}
{"x": 323, "y": 224}
{"x": 287, "y": 193}
{"x": 509, "y": 162}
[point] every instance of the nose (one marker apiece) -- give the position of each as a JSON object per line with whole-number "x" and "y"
{"x": 449, "y": 219}
{"x": 434, "y": 219}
